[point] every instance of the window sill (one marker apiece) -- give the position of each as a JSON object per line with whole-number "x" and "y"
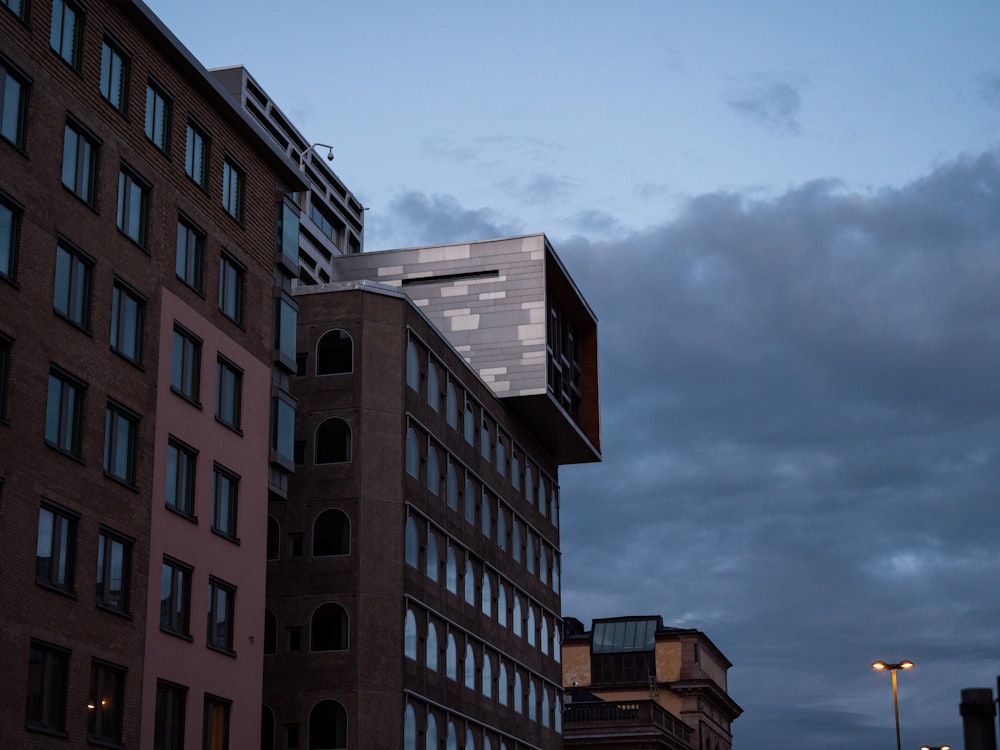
{"x": 122, "y": 481}
{"x": 195, "y": 403}
{"x": 42, "y": 729}
{"x": 80, "y": 198}
{"x": 135, "y": 363}
{"x": 134, "y": 241}
{"x": 220, "y": 650}
{"x": 186, "y": 516}
{"x": 11, "y": 281}
{"x": 69, "y": 593}
{"x": 73, "y": 456}
{"x": 75, "y": 324}
{"x": 229, "y": 426}
{"x": 115, "y": 611}
{"x": 193, "y": 288}
{"x": 104, "y": 743}
{"x": 176, "y": 634}
{"x": 229, "y": 538}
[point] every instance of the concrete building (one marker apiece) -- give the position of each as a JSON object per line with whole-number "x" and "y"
{"x": 413, "y": 573}
{"x": 634, "y": 684}
{"x": 138, "y": 214}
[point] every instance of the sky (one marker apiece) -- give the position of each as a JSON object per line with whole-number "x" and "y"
{"x": 786, "y": 217}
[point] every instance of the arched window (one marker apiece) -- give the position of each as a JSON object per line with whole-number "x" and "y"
{"x": 516, "y": 616}
{"x": 532, "y": 700}
{"x": 451, "y": 659}
{"x": 487, "y": 675}
{"x": 412, "y": 366}
{"x": 432, "y": 733}
{"x": 501, "y": 455}
{"x": 543, "y": 564}
{"x": 331, "y": 533}
{"x": 412, "y": 454}
{"x": 412, "y": 546}
{"x": 555, "y": 574}
{"x": 554, "y": 510}
{"x": 334, "y": 353}
{"x": 541, "y": 494}
{"x": 451, "y": 571}
{"x": 502, "y": 689}
{"x": 270, "y": 632}
{"x": 502, "y": 604}
{"x": 329, "y": 628}
{"x": 545, "y": 706}
{"x": 470, "y": 740}
{"x": 266, "y": 728}
{"x": 452, "y": 742}
{"x": 433, "y": 388}
{"x": 543, "y": 639}
{"x": 470, "y": 501}
{"x": 487, "y": 595}
{"x": 469, "y": 424}
{"x": 470, "y": 584}
{"x": 487, "y": 743}
{"x": 531, "y": 624}
{"x": 529, "y": 487}
{"x": 432, "y": 647}
{"x": 558, "y": 714}
{"x": 470, "y": 667}
{"x": 515, "y": 469}
{"x": 556, "y": 646}
{"x": 451, "y": 487}
{"x": 433, "y": 470}
{"x": 333, "y": 441}
{"x": 529, "y": 553}
{"x": 273, "y": 538}
{"x": 327, "y": 726}
{"x": 515, "y": 540}
{"x": 433, "y": 561}
{"x": 409, "y": 728}
{"x": 518, "y": 693}
{"x": 501, "y": 528}
{"x": 451, "y": 405}
{"x": 484, "y": 439}
{"x": 487, "y": 516}
{"x": 410, "y": 636}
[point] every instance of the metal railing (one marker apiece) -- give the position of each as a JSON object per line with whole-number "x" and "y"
{"x": 626, "y": 713}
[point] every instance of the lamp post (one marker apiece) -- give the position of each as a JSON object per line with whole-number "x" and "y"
{"x": 881, "y": 665}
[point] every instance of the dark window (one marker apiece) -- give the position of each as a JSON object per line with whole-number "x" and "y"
{"x": 225, "y": 491}
{"x": 333, "y": 441}
{"x": 55, "y": 549}
{"x": 114, "y": 571}
{"x": 158, "y": 107}
{"x": 266, "y": 728}
{"x": 328, "y": 631}
{"x": 168, "y": 726}
{"x": 181, "y": 464}
{"x": 10, "y": 232}
{"x": 283, "y": 428}
{"x": 295, "y": 540}
{"x": 232, "y": 274}
{"x": 106, "y": 707}
{"x": 175, "y": 598}
{"x": 66, "y": 31}
{"x": 64, "y": 413}
{"x": 335, "y": 353}
{"x": 114, "y": 74}
{"x": 196, "y": 155}
{"x": 185, "y": 364}
{"x": 133, "y": 206}
{"x": 228, "y": 393}
{"x": 328, "y": 726}
{"x": 127, "y": 313}
{"x": 270, "y": 632}
{"x": 292, "y": 737}
{"x": 221, "y": 606}
{"x": 71, "y": 289}
{"x": 48, "y": 668}
{"x": 622, "y": 652}
{"x": 331, "y": 533}
{"x": 215, "y": 735}
{"x": 13, "y": 104}
{"x": 120, "y": 428}
{"x": 232, "y": 189}
{"x": 285, "y": 327}
{"x": 79, "y": 168}
{"x": 190, "y": 254}
{"x": 301, "y": 363}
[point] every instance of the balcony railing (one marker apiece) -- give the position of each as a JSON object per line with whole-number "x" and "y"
{"x": 621, "y": 714}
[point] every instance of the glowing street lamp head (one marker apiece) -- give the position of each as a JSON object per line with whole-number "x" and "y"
{"x": 878, "y": 665}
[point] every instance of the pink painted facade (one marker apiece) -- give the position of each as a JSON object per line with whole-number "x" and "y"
{"x": 190, "y": 662}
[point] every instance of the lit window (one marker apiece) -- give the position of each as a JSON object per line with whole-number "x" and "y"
{"x": 190, "y": 254}
{"x": 185, "y": 364}
{"x": 48, "y": 673}
{"x": 114, "y": 74}
{"x": 196, "y": 155}
{"x": 64, "y": 413}
{"x": 65, "y": 33}
{"x": 216, "y": 723}
{"x": 79, "y": 167}
{"x": 106, "y": 708}
{"x": 228, "y": 393}
{"x": 175, "y": 598}
{"x": 127, "y": 313}
{"x": 168, "y": 729}
{"x": 133, "y": 206}
{"x": 71, "y": 289}
{"x": 120, "y": 428}
{"x": 13, "y": 104}
{"x": 232, "y": 189}
{"x": 158, "y": 106}
{"x": 232, "y": 275}
{"x": 114, "y": 571}
{"x": 225, "y": 493}
{"x": 55, "y": 549}
{"x": 10, "y": 231}
{"x": 221, "y": 607}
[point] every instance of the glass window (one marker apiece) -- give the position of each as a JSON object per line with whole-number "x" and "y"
{"x": 232, "y": 189}
{"x": 215, "y": 729}
{"x": 120, "y": 428}
{"x": 168, "y": 726}
{"x": 432, "y": 733}
{"x": 335, "y": 353}
{"x": 106, "y": 708}
{"x": 502, "y": 604}
{"x": 501, "y": 455}
{"x": 185, "y": 364}
{"x": 65, "y": 33}
{"x": 175, "y": 598}
{"x": 487, "y": 675}
{"x": 433, "y": 388}
{"x": 545, "y": 706}
{"x": 114, "y": 571}
{"x": 515, "y": 540}
{"x": 133, "y": 206}
{"x": 13, "y": 104}
{"x": 228, "y": 394}
{"x": 232, "y": 277}
{"x": 221, "y": 601}
{"x": 48, "y": 670}
{"x": 451, "y": 486}
{"x": 71, "y": 289}
{"x": 412, "y": 366}
{"x": 79, "y": 167}
{"x": 469, "y": 424}
{"x": 158, "y": 106}
{"x": 55, "y": 549}
{"x": 529, "y": 484}
{"x": 412, "y": 453}
{"x": 411, "y": 552}
{"x": 196, "y": 155}
{"x": 287, "y": 235}
{"x": 470, "y": 583}
{"x": 329, "y": 628}
{"x": 451, "y": 571}
{"x": 451, "y": 405}
{"x": 501, "y": 528}
{"x": 328, "y": 726}
{"x": 409, "y": 729}
{"x": 470, "y": 667}
{"x": 190, "y": 254}
{"x": 285, "y": 327}
{"x": 433, "y": 471}
{"x": 283, "y": 428}
{"x": 516, "y": 615}
{"x": 127, "y": 314}
{"x": 484, "y": 439}
{"x": 114, "y": 74}
{"x": 432, "y": 647}
{"x": 531, "y": 625}
{"x": 433, "y": 560}
{"x": 529, "y": 552}
{"x": 410, "y": 636}
{"x": 225, "y": 492}
{"x": 451, "y": 658}
{"x": 10, "y": 231}
{"x": 543, "y": 639}
{"x": 64, "y": 413}
{"x": 331, "y": 533}
{"x": 333, "y": 441}
{"x": 487, "y": 516}
{"x": 470, "y": 501}
{"x": 515, "y": 469}
{"x": 18, "y": 7}
{"x": 518, "y": 692}
{"x": 502, "y": 689}
{"x": 487, "y": 595}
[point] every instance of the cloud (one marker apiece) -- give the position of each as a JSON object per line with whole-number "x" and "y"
{"x": 989, "y": 86}
{"x": 419, "y": 219}
{"x": 775, "y": 105}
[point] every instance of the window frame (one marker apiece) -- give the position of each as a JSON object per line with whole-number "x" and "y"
{"x": 230, "y": 398}
{"x": 188, "y": 367}
{"x": 233, "y": 187}
{"x": 105, "y": 566}
{"x": 52, "y": 683}
{"x": 179, "y": 601}
{"x": 61, "y": 575}
{"x": 117, "y": 416}
{"x": 159, "y": 110}
{"x": 72, "y": 302}
{"x": 222, "y": 639}
{"x": 113, "y": 51}
{"x": 169, "y": 716}
{"x": 189, "y": 261}
{"x": 82, "y": 169}
{"x": 120, "y": 319}
{"x": 232, "y": 285}
{"x": 101, "y": 703}
{"x": 68, "y": 437}
{"x": 210, "y": 739}
{"x": 133, "y": 222}
{"x": 183, "y": 480}
{"x": 21, "y": 11}
{"x": 225, "y": 518}
{"x": 9, "y": 71}
{"x": 57, "y": 37}
{"x": 12, "y": 238}
{"x": 196, "y": 135}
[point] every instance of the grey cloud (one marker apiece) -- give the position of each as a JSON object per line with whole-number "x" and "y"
{"x": 775, "y": 105}
{"x": 440, "y": 219}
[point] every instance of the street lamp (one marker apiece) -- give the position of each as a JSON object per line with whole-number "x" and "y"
{"x": 935, "y": 747}
{"x": 881, "y": 665}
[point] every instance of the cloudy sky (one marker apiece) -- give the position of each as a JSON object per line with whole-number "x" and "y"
{"x": 787, "y": 218}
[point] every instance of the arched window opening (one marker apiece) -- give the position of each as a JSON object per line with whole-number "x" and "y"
{"x": 409, "y": 728}
{"x": 470, "y": 584}
{"x": 432, "y": 647}
{"x": 532, "y": 700}
{"x": 487, "y": 595}
{"x": 529, "y": 487}
{"x": 516, "y": 616}
{"x": 331, "y": 533}
{"x": 469, "y": 424}
{"x": 333, "y": 441}
{"x": 266, "y": 728}
{"x": 451, "y": 487}
{"x": 529, "y": 553}
{"x": 484, "y": 439}
{"x": 451, "y": 405}
{"x": 412, "y": 453}
{"x": 555, "y": 574}
{"x": 451, "y": 571}
{"x": 531, "y": 625}
{"x": 543, "y": 639}
{"x": 451, "y": 659}
{"x": 270, "y": 632}
{"x": 410, "y": 636}
{"x": 470, "y": 667}
{"x": 470, "y": 501}
{"x": 412, "y": 366}
{"x": 515, "y": 541}
{"x": 487, "y": 675}
{"x": 554, "y": 510}
{"x": 545, "y": 706}
{"x": 501, "y": 456}
{"x": 433, "y": 471}
{"x": 515, "y": 469}
{"x": 433, "y": 561}
{"x": 452, "y": 742}
{"x": 502, "y": 604}
{"x": 543, "y": 564}
{"x": 335, "y": 353}
{"x": 487, "y": 516}
{"x": 433, "y": 387}
{"x": 501, "y": 528}
{"x": 328, "y": 726}
{"x": 502, "y": 689}
{"x": 329, "y": 629}
{"x": 273, "y": 538}
{"x": 432, "y": 733}
{"x": 518, "y": 693}
{"x": 412, "y": 546}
